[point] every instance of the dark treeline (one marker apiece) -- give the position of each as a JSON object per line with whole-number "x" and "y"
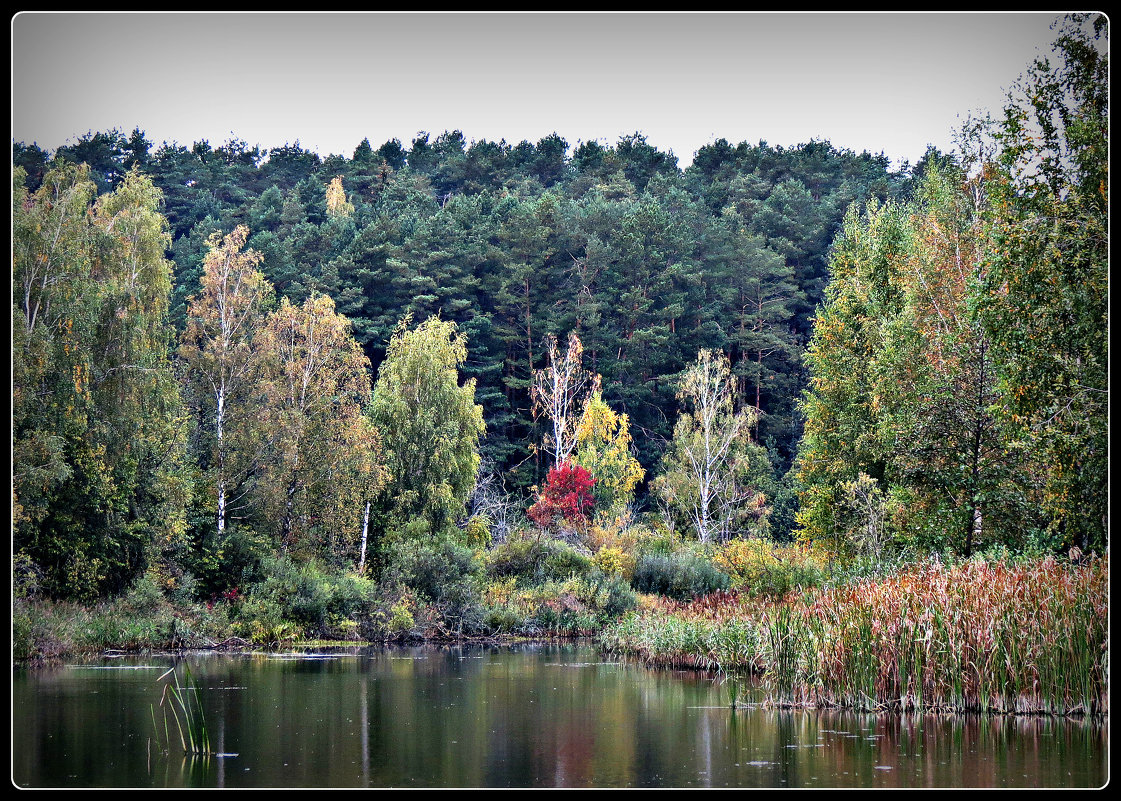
{"x": 646, "y": 262}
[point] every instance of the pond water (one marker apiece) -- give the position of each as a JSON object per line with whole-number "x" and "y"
{"x": 536, "y": 715}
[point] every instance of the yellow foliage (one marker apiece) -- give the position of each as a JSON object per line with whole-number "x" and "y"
{"x": 748, "y": 561}
{"x": 499, "y": 593}
{"x": 614, "y": 532}
{"x": 603, "y": 448}
{"x": 615, "y": 562}
{"x": 336, "y": 199}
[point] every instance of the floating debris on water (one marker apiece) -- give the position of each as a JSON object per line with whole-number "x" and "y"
{"x": 116, "y": 667}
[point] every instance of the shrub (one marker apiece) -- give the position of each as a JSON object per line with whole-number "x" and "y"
{"x": 442, "y": 573}
{"x": 660, "y": 541}
{"x": 26, "y": 576}
{"x": 478, "y": 531}
{"x": 611, "y": 594}
{"x": 680, "y": 576}
{"x": 566, "y": 497}
{"x": 22, "y": 641}
{"x": 401, "y": 617}
{"x": 233, "y": 560}
{"x": 310, "y": 598}
{"x": 143, "y": 596}
{"x": 535, "y": 560}
{"x": 614, "y": 562}
{"x": 564, "y": 561}
{"x": 501, "y": 619}
{"x": 761, "y": 568}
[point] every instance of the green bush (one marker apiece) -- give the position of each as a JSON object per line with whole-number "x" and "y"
{"x": 442, "y": 573}
{"x": 22, "y": 641}
{"x": 350, "y": 597}
{"x": 564, "y": 561}
{"x": 613, "y": 596}
{"x": 143, "y": 596}
{"x": 236, "y": 559}
{"x": 660, "y": 541}
{"x": 680, "y": 576}
{"x": 502, "y": 619}
{"x": 477, "y": 531}
{"x": 26, "y": 576}
{"x": 535, "y": 560}
{"x": 305, "y": 595}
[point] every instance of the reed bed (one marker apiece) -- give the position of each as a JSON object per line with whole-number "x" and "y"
{"x": 985, "y": 636}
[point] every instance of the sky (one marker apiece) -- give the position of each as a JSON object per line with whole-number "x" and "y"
{"x": 885, "y": 83}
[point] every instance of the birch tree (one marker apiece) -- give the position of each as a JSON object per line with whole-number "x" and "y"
{"x": 216, "y": 348}
{"x": 320, "y": 463}
{"x": 560, "y": 392}
{"x": 430, "y": 426}
{"x": 704, "y": 470}
{"x": 97, "y": 482}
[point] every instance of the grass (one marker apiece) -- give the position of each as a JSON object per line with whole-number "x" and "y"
{"x": 185, "y": 708}
{"x": 983, "y": 636}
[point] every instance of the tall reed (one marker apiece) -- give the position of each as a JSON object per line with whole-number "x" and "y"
{"x": 185, "y": 706}
{"x": 978, "y": 636}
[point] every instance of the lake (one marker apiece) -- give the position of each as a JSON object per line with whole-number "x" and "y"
{"x": 531, "y": 715}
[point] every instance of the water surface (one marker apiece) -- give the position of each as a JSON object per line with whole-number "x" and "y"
{"x": 525, "y": 716}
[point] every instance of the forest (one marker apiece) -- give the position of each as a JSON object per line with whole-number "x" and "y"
{"x": 471, "y": 388}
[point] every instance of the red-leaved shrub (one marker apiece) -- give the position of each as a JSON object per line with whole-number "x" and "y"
{"x": 566, "y": 496}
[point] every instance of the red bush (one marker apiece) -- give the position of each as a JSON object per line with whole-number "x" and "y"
{"x": 566, "y": 496}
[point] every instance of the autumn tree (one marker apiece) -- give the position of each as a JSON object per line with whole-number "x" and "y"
{"x": 321, "y": 462}
{"x": 1045, "y": 295}
{"x": 603, "y": 448}
{"x": 843, "y": 437}
{"x": 560, "y": 392}
{"x": 216, "y": 349}
{"x": 961, "y": 480}
{"x": 97, "y": 438}
{"x": 566, "y": 497}
{"x": 902, "y": 440}
{"x": 337, "y": 205}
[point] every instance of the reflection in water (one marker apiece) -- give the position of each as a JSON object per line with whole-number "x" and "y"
{"x": 525, "y": 716}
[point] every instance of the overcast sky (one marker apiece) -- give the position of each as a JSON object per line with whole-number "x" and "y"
{"x": 886, "y": 83}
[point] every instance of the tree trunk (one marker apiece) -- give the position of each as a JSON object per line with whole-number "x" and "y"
{"x": 362, "y": 551}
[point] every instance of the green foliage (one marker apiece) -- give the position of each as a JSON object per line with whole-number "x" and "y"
{"x": 841, "y": 434}
{"x": 216, "y": 348}
{"x": 534, "y": 560}
{"x": 303, "y": 598}
{"x": 575, "y": 605}
{"x": 1044, "y": 297}
{"x": 759, "y": 567}
{"x": 97, "y": 443}
{"x": 681, "y": 575}
{"x": 442, "y": 574}
{"x": 477, "y": 531}
{"x": 430, "y": 424}
{"x": 966, "y": 412}
{"x": 707, "y": 469}
{"x": 230, "y": 560}
{"x": 958, "y": 385}
{"x": 321, "y": 457}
